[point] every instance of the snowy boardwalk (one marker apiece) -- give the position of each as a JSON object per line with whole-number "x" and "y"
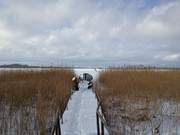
{"x": 80, "y": 117}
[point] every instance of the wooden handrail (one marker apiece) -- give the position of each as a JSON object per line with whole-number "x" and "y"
{"x": 100, "y": 116}
{"x": 101, "y": 122}
{"x": 56, "y": 129}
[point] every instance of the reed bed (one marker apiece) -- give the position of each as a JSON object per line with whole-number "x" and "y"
{"x": 29, "y": 99}
{"x": 140, "y": 102}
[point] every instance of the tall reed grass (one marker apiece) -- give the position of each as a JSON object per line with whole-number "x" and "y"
{"x": 30, "y": 99}
{"x": 133, "y": 98}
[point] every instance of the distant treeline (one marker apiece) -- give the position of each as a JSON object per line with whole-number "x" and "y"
{"x": 28, "y": 66}
{"x": 143, "y": 67}
{"x": 14, "y": 66}
{"x": 124, "y": 67}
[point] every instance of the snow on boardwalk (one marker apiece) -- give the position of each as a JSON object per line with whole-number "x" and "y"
{"x": 80, "y": 117}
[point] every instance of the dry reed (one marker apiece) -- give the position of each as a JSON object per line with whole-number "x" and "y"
{"x": 133, "y": 97}
{"x": 30, "y": 99}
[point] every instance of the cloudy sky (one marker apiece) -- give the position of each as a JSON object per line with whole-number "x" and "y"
{"x": 90, "y": 32}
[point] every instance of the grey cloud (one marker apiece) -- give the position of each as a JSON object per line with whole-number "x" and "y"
{"x": 98, "y": 30}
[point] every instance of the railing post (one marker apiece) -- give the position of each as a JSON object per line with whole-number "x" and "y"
{"x": 97, "y": 120}
{"x": 102, "y": 128}
{"x": 61, "y": 115}
{"x": 58, "y": 129}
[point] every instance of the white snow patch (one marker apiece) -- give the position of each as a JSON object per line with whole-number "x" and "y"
{"x": 80, "y": 118}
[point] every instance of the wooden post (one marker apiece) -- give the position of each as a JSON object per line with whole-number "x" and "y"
{"x": 58, "y": 129}
{"x": 97, "y": 120}
{"x": 61, "y": 115}
{"x": 102, "y": 128}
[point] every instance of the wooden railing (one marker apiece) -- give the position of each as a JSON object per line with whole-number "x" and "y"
{"x": 100, "y": 120}
{"x": 56, "y": 129}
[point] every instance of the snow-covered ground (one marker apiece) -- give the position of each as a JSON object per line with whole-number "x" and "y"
{"x": 80, "y": 117}
{"x": 163, "y": 117}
